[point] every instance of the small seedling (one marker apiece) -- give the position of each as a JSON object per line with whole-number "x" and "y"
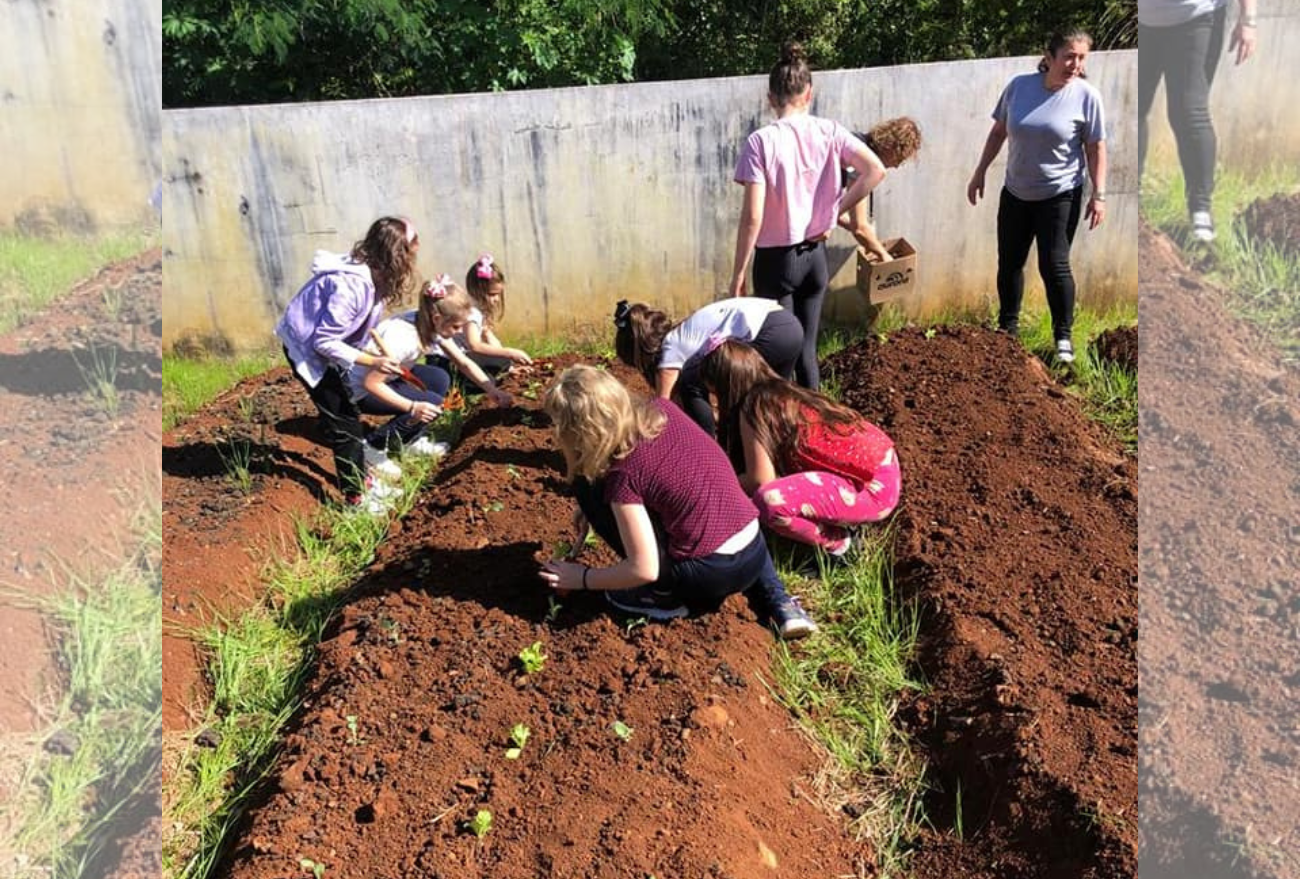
{"x": 353, "y": 737}
{"x": 561, "y": 549}
{"x": 247, "y": 408}
{"x": 527, "y": 420}
{"x": 632, "y": 624}
{"x": 592, "y": 539}
{"x": 553, "y": 608}
{"x": 481, "y": 823}
{"x": 391, "y": 629}
{"x": 316, "y": 868}
{"x": 532, "y": 658}
{"x": 530, "y": 390}
{"x": 882, "y": 338}
{"x": 494, "y": 507}
{"x": 931, "y": 333}
{"x": 512, "y": 471}
{"x": 519, "y": 734}
{"x": 239, "y": 464}
{"x": 622, "y": 730}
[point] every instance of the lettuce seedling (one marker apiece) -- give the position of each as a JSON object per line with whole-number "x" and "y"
{"x": 532, "y": 658}
{"x": 316, "y": 868}
{"x": 481, "y": 823}
{"x": 519, "y": 734}
{"x": 622, "y": 730}
{"x": 553, "y": 608}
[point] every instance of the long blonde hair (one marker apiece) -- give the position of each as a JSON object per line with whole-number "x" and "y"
{"x": 440, "y": 298}
{"x": 597, "y": 422}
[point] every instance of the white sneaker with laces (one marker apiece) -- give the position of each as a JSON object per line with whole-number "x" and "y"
{"x": 427, "y": 448}
{"x": 381, "y": 491}
{"x": 1065, "y": 351}
{"x": 379, "y": 464}
{"x": 1202, "y": 226}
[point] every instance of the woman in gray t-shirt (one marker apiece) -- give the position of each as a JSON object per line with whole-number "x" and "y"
{"x": 1053, "y": 122}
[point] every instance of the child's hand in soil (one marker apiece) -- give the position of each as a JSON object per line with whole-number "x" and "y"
{"x": 563, "y": 577}
{"x": 501, "y": 398}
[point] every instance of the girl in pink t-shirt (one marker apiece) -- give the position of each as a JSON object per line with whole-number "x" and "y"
{"x": 815, "y": 468}
{"x": 790, "y": 169}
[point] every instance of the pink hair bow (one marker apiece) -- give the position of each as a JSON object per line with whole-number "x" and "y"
{"x": 484, "y": 268}
{"x": 437, "y": 288}
{"x": 411, "y": 234}
{"x": 713, "y": 343}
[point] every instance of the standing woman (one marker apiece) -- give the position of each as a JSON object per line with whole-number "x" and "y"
{"x": 1054, "y": 122}
{"x": 1181, "y": 42}
{"x": 790, "y": 169}
{"x": 326, "y": 327}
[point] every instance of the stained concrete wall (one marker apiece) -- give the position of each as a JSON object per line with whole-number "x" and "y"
{"x": 589, "y": 195}
{"x": 80, "y": 98}
{"x": 1254, "y": 115}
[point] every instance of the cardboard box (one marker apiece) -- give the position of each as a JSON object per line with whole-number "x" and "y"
{"x": 882, "y": 281}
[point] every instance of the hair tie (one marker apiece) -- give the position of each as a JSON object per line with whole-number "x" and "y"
{"x": 484, "y": 268}
{"x": 437, "y": 288}
{"x": 621, "y": 312}
{"x": 411, "y": 234}
{"x": 713, "y": 343}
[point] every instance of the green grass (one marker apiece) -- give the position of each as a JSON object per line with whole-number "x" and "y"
{"x": 257, "y": 664}
{"x": 1263, "y": 282}
{"x": 845, "y": 683}
{"x": 35, "y": 271}
{"x": 109, "y": 635}
{"x": 188, "y": 384}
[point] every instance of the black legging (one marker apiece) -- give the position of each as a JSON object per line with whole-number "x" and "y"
{"x": 797, "y": 276}
{"x": 340, "y": 420}
{"x": 1052, "y": 223}
{"x": 1185, "y": 56}
{"x": 404, "y": 426}
{"x": 779, "y": 342}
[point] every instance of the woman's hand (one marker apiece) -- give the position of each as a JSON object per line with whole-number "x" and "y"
{"x": 1243, "y": 41}
{"x": 1095, "y": 212}
{"x": 501, "y": 398}
{"x": 425, "y": 412}
{"x": 386, "y": 365}
{"x": 562, "y": 576}
{"x": 519, "y": 356}
{"x": 975, "y": 189}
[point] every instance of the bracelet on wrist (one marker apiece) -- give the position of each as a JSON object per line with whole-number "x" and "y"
{"x": 1099, "y": 196}
{"x": 586, "y": 569}
{"x": 1249, "y": 21}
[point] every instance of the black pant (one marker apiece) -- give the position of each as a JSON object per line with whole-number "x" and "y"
{"x": 779, "y": 342}
{"x": 701, "y": 583}
{"x": 797, "y": 276}
{"x": 1052, "y": 223}
{"x": 340, "y": 420}
{"x": 403, "y": 425}
{"x": 1185, "y": 57}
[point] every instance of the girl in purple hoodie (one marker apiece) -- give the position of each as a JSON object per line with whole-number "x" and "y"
{"x": 325, "y": 329}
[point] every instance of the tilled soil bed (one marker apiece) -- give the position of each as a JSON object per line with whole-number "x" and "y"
{"x": 1221, "y": 613}
{"x": 1017, "y": 535}
{"x": 79, "y": 465}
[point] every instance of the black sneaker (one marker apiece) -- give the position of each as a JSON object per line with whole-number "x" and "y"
{"x": 791, "y": 620}
{"x": 647, "y": 602}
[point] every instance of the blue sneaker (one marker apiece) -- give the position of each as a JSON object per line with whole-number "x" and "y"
{"x": 791, "y": 620}
{"x": 645, "y": 601}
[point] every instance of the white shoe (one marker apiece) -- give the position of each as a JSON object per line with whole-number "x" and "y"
{"x": 427, "y": 448}
{"x": 379, "y": 465}
{"x": 381, "y": 491}
{"x": 1065, "y": 351}
{"x": 1202, "y": 226}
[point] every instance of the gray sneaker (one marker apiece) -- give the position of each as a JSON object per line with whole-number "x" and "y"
{"x": 1065, "y": 350}
{"x": 1203, "y": 226}
{"x": 791, "y": 620}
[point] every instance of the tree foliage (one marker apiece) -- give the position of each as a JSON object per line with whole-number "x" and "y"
{"x": 250, "y": 51}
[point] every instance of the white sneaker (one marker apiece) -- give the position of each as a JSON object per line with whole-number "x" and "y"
{"x": 379, "y": 465}
{"x": 381, "y": 491}
{"x": 1065, "y": 351}
{"x": 1202, "y": 226}
{"x": 427, "y": 448}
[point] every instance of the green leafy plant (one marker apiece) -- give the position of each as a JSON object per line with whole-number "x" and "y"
{"x": 931, "y": 333}
{"x": 622, "y": 730}
{"x": 100, "y": 375}
{"x": 513, "y": 472}
{"x": 553, "y": 608}
{"x": 519, "y": 734}
{"x": 527, "y": 420}
{"x": 633, "y": 623}
{"x": 354, "y": 737}
{"x": 532, "y": 658}
{"x": 238, "y": 462}
{"x": 480, "y": 824}
{"x": 247, "y": 408}
{"x": 561, "y": 549}
{"x": 316, "y": 868}
{"x": 391, "y": 629}
{"x": 494, "y": 507}
{"x": 530, "y": 390}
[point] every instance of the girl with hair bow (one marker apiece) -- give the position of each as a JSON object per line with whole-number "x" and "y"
{"x": 486, "y": 284}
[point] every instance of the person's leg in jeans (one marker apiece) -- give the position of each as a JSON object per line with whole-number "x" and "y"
{"x": 341, "y": 423}
{"x": 1015, "y": 235}
{"x": 1057, "y": 220}
{"x": 814, "y": 278}
{"x": 1193, "y": 58}
{"x": 1153, "y": 60}
{"x": 780, "y": 342}
{"x": 403, "y": 426}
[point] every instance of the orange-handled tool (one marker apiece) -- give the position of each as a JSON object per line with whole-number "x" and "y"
{"x": 410, "y": 377}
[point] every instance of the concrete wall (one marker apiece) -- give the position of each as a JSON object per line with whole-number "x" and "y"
{"x": 588, "y": 195}
{"x": 1254, "y": 117}
{"x": 80, "y": 91}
